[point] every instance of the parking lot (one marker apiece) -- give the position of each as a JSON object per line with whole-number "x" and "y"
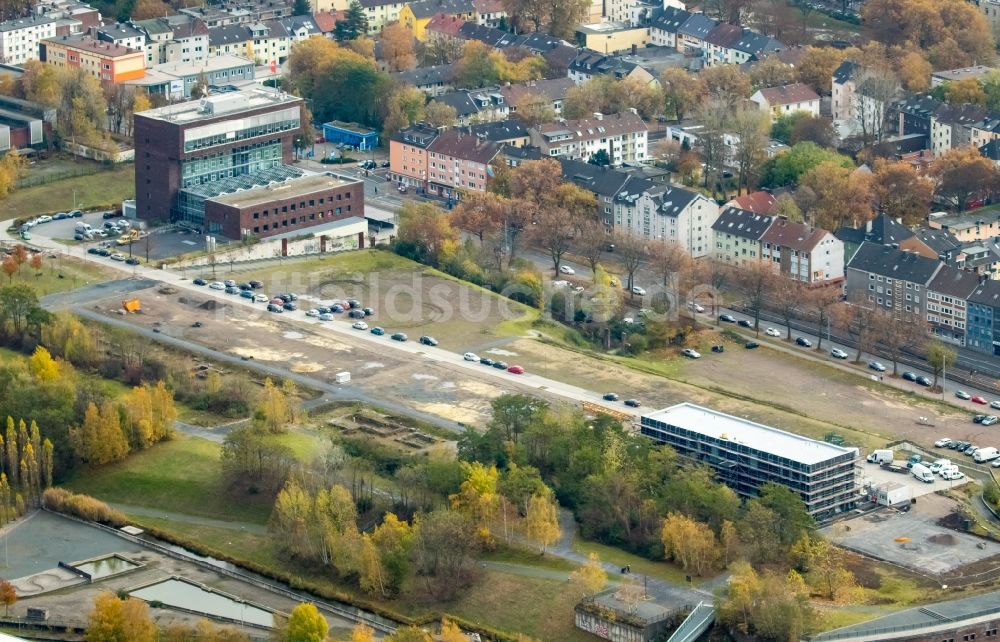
{"x": 877, "y": 475}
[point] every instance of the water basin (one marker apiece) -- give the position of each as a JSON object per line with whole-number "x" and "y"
{"x": 106, "y": 566}
{"x": 187, "y": 595}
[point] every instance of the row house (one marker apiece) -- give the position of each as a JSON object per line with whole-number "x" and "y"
{"x": 891, "y": 278}
{"x": 666, "y": 213}
{"x": 733, "y": 45}
{"x": 490, "y": 13}
{"x": 435, "y": 80}
{"x": 476, "y": 106}
{"x": 512, "y": 133}
{"x": 983, "y": 312}
{"x": 787, "y": 99}
{"x": 19, "y": 38}
{"x": 605, "y": 183}
{"x": 946, "y": 126}
{"x": 415, "y": 16}
{"x": 457, "y": 162}
{"x": 947, "y": 296}
{"x": 177, "y": 38}
{"x": 587, "y": 65}
{"x": 553, "y": 91}
{"x": 443, "y": 28}
{"x": 797, "y": 251}
{"x": 442, "y": 163}
{"x": 986, "y": 130}
{"x": 623, "y": 136}
{"x": 380, "y": 13}
{"x": 263, "y": 42}
{"x": 978, "y": 226}
{"x": 106, "y": 61}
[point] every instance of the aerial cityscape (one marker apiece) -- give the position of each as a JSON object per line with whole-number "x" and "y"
{"x": 500, "y": 320}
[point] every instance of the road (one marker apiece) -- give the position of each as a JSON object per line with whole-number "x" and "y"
{"x": 645, "y": 278}
{"x": 343, "y": 331}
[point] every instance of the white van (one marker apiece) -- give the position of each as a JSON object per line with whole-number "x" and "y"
{"x": 922, "y": 473}
{"x": 947, "y": 469}
{"x": 985, "y": 454}
{"x": 938, "y": 465}
{"x": 83, "y": 228}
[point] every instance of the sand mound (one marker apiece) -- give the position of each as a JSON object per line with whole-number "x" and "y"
{"x": 944, "y": 539}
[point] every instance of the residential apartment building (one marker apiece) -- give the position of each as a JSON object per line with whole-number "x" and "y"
{"x": 458, "y": 161}
{"x": 415, "y": 16}
{"x": 19, "y": 38}
{"x": 490, "y": 13}
{"x": 553, "y": 91}
{"x": 408, "y": 156}
{"x": 443, "y": 28}
{"x": 435, "y": 80}
{"x": 106, "y": 61}
{"x": 71, "y": 16}
{"x": 802, "y": 252}
{"x": 890, "y": 278}
{"x": 121, "y": 34}
{"x": 952, "y": 126}
{"x": 622, "y": 136}
{"x": 667, "y": 213}
{"x": 733, "y": 45}
{"x": 380, "y": 13}
{"x": 605, "y": 183}
{"x": 189, "y": 152}
{"x": 983, "y": 312}
{"x": 692, "y": 33}
{"x": 746, "y": 455}
{"x": 978, "y": 226}
{"x": 737, "y": 235}
{"x": 843, "y": 86}
{"x": 986, "y": 130}
{"x": 947, "y": 308}
{"x": 476, "y": 106}
{"x": 176, "y": 80}
{"x": 266, "y": 43}
{"x": 787, "y": 99}
{"x": 663, "y": 30}
{"x": 178, "y": 38}
{"x": 586, "y": 65}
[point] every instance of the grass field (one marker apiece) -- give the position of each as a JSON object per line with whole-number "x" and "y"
{"x": 104, "y": 189}
{"x": 59, "y": 274}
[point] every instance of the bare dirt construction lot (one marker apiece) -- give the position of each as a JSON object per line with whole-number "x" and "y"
{"x": 917, "y": 540}
{"x": 264, "y": 337}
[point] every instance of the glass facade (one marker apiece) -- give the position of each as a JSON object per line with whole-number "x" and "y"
{"x": 246, "y": 159}
{"x": 825, "y": 487}
{"x": 232, "y": 131}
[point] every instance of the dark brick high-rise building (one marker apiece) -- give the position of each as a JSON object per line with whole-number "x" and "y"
{"x": 191, "y": 152}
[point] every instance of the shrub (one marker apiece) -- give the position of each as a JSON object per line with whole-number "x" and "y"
{"x": 82, "y": 506}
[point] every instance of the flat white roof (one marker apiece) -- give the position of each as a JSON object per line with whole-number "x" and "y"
{"x": 712, "y": 423}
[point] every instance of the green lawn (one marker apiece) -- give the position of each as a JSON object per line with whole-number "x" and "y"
{"x": 59, "y": 274}
{"x": 620, "y": 558}
{"x": 106, "y": 188}
{"x": 180, "y": 476}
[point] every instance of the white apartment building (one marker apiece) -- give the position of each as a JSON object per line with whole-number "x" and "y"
{"x": 667, "y": 213}
{"x": 623, "y": 136}
{"x": 19, "y": 38}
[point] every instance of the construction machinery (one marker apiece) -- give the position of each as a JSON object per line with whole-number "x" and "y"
{"x": 132, "y": 306}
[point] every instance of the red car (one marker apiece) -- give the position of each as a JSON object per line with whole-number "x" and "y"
{"x": 978, "y": 399}
{"x": 515, "y": 370}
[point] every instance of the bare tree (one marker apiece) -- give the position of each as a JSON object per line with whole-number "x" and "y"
{"x": 709, "y": 276}
{"x": 552, "y": 230}
{"x": 787, "y": 300}
{"x": 631, "y": 250}
{"x": 148, "y": 243}
{"x": 752, "y": 128}
{"x": 592, "y": 242}
{"x": 668, "y": 259}
{"x": 858, "y": 320}
{"x": 893, "y": 332}
{"x": 876, "y": 90}
{"x": 757, "y": 281}
{"x": 822, "y": 302}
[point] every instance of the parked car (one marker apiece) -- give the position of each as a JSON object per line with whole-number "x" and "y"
{"x": 961, "y": 394}
{"x": 990, "y": 420}
{"x": 256, "y": 285}
{"x": 909, "y": 376}
{"x": 470, "y": 356}
{"x": 353, "y": 303}
{"x": 995, "y": 404}
{"x": 60, "y": 216}
{"x": 246, "y": 294}
{"x": 359, "y": 325}
{"x": 743, "y": 323}
{"x": 245, "y": 286}
{"x": 337, "y": 309}
{"x": 837, "y": 353}
{"x": 500, "y": 365}
{"x": 94, "y": 250}
{"x": 565, "y": 269}
{"x": 772, "y": 332}
{"x": 691, "y": 354}
{"x": 398, "y": 336}
{"x": 515, "y": 370}
{"x": 486, "y": 361}
{"x": 196, "y": 281}
{"x": 229, "y": 283}
{"x": 632, "y": 403}
{"x": 132, "y": 261}
{"x": 696, "y": 307}
{"x": 217, "y": 285}
{"x": 117, "y": 256}
{"x": 637, "y": 290}
{"x": 368, "y": 312}
{"x": 377, "y": 331}
{"x": 876, "y": 366}
{"x": 727, "y": 318}
{"x": 106, "y": 252}
{"x": 978, "y": 419}
{"x": 325, "y": 316}
{"x": 751, "y": 345}
{"x": 271, "y": 307}
{"x": 232, "y": 289}
{"x": 260, "y": 298}
{"x": 941, "y": 443}
{"x": 428, "y": 341}
{"x": 924, "y": 381}
{"x": 718, "y": 348}
{"x": 75, "y": 214}
{"x": 312, "y": 312}
{"x": 610, "y": 396}
{"x": 44, "y": 218}
{"x": 290, "y": 306}
{"x": 356, "y": 314}
{"x": 802, "y": 341}
{"x": 979, "y": 400}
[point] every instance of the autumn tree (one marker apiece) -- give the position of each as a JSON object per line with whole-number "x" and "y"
{"x": 963, "y": 175}
{"x": 631, "y": 251}
{"x": 553, "y": 232}
{"x": 668, "y": 259}
{"x": 683, "y": 92}
{"x": 843, "y": 195}
{"x": 362, "y": 633}
{"x": 967, "y": 90}
{"x": 305, "y": 624}
{"x": 914, "y": 71}
{"x": 12, "y": 168}
{"x": 444, "y": 544}
{"x": 99, "y": 440}
{"x": 757, "y": 282}
{"x": 900, "y": 192}
{"x": 592, "y": 242}
{"x": 589, "y": 578}
{"x": 397, "y": 47}
{"x": 541, "y": 524}
{"x": 857, "y": 319}
{"x": 478, "y": 498}
{"x": 274, "y": 407}
{"x": 117, "y": 620}
{"x": 821, "y": 302}
{"x": 439, "y": 114}
{"x": 425, "y": 233}
{"x": 823, "y": 566}
{"x": 953, "y": 33}
{"x": 771, "y": 72}
{"x": 8, "y": 596}
{"x": 480, "y": 214}
{"x": 10, "y": 267}
{"x": 386, "y": 556}
{"x": 404, "y": 106}
{"x": 409, "y": 634}
{"x": 690, "y": 543}
{"x": 752, "y": 128}
{"x": 451, "y": 632}
{"x": 43, "y": 367}
{"x": 606, "y": 95}
{"x": 787, "y": 296}
{"x": 559, "y": 18}
{"x": 726, "y": 84}
{"x": 816, "y": 66}
{"x": 940, "y": 357}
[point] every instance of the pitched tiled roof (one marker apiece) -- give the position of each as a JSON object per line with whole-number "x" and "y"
{"x": 884, "y": 230}
{"x": 789, "y": 94}
{"x": 954, "y": 282}
{"x": 797, "y": 236}
{"x": 487, "y": 35}
{"x": 742, "y": 223}
{"x": 757, "y": 202}
{"x": 427, "y": 75}
{"x": 445, "y": 24}
{"x": 603, "y": 181}
{"x": 488, "y": 6}
{"x": 499, "y": 131}
{"x": 554, "y": 89}
{"x": 724, "y": 35}
{"x": 896, "y": 264}
{"x": 464, "y": 146}
{"x": 326, "y": 21}
{"x": 991, "y": 150}
{"x": 671, "y": 200}
{"x": 418, "y": 135}
{"x": 588, "y": 128}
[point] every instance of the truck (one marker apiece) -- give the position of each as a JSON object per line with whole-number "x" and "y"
{"x": 893, "y": 468}
{"x": 880, "y": 456}
{"x": 922, "y": 473}
{"x": 985, "y": 454}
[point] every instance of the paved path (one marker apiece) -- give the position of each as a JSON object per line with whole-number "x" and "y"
{"x": 146, "y": 511}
